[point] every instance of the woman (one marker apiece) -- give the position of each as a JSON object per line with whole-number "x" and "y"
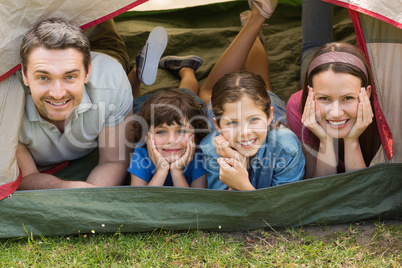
{"x": 333, "y": 114}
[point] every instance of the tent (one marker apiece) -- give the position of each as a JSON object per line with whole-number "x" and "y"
{"x": 205, "y": 30}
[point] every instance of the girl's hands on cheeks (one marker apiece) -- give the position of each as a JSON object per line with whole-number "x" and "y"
{"x": 234, "y": 174}
{"x": 364, "y": 116}
{"x": 223, "y": 149}
{"x": 187, "y": 156}
{"x": 159, "y": 161}
{"x": 310, "y": 115}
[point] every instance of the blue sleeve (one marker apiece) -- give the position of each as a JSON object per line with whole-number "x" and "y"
{"x": 197, "y": 169}
{"x": 291, "y": 169}
{"x": 141, "y": 165}
{"x": 212, "y": 168}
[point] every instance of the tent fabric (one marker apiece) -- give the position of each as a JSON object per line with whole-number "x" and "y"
{"x": 12, "y": 100}
{"x": 372, "y": 193}
{"x": 18, "y": 15}
{"x": 384, "y": 47}
{"x": 382, "y": 124}
{"x": 388, "y": 11}
{"x": 378, "y": 27}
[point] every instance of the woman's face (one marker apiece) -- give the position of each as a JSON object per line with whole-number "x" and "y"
{"x": 336, "y": 97}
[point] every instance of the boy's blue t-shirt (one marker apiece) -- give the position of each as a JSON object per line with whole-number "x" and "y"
{"x": 143, "y": 167}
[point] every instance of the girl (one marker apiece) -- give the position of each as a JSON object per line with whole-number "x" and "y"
{"x": 246, "y": 151}
{"x": 333, "y": 114}
{"x": 167, "y": 127}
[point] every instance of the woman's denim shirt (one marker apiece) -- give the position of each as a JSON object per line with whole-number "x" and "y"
{"x": 279, "y": 160}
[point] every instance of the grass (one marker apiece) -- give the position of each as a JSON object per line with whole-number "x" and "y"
{"x": 357, "y": 245}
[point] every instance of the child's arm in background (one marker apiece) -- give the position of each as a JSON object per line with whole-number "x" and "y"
{"x": 200, "y": 182}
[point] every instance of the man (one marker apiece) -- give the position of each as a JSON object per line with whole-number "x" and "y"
{"x": 78, "y": 101}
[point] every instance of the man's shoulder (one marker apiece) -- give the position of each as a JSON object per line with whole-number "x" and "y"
{"x": 108, "y": 82}
{"x": 106, "y": 73}
{"x": 100, "y": 58}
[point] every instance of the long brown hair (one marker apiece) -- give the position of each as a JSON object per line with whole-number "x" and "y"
{"x": 370, "y": 139}
{"x": 170, "y": 106}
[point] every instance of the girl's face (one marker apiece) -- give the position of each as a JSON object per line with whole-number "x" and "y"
{"x": 336, "y": 97}
{"x": 244, "y": 125}
{"x": 171, "y": 141}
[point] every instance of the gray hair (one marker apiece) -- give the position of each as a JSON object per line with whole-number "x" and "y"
{"x": 55, "y": 33}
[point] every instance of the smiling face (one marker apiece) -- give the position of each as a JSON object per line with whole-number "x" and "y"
{"x": 171, "y": 141}
{"x": 336, "y": 97}
{"x": 56, "y": 78}
{"x": 244, "y": 125}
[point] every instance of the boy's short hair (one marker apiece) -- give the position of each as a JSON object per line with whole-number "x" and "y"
{"x": 171, "y": 106}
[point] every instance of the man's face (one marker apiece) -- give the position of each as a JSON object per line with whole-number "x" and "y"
{"x": 56, "y": 78}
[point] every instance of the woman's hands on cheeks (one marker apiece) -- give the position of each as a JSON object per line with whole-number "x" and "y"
{"x": 159, "y": 161}
{"x": 187, "y": 156}
{"x": 309, "y": 118}
{"x": 364, "y": 116}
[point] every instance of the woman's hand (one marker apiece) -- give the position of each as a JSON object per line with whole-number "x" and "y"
{"x": 310, "y": 115}
{"x": 159, "y": 161}
{"x": 234, "y": 174}
{"x": 187, "y": 156}
{"x": 364, "y": 117}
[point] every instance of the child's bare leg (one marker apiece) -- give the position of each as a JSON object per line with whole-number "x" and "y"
{"x": 188, "y": 80}
{"x": 185, "y": 68}
{"x": 135, "y": 82}
{"x": 235, "y": 56}
{"x": 257, "y": 62}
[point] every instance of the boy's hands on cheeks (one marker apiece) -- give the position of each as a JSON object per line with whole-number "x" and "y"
{"x": 309, "y": 118}
{"x": 159, "y": 161}
{"x": 186, "y": 158}
{"x": 234, "y": 174}
{"x": 176, "y": 167}
{"x": 364, "y": 117}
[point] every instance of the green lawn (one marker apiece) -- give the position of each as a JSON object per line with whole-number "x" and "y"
{"x": 370, "y": 244}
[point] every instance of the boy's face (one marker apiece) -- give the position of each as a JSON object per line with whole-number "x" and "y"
{"x": 56, "y": 78}
{"x": 171, "y": 141}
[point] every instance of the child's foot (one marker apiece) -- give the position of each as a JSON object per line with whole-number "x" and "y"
{"x": 244, "y": 17}
{"x": 148, "y": 58}
{"x": 175, "y": 63}
{"x": 266, "y": 7}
